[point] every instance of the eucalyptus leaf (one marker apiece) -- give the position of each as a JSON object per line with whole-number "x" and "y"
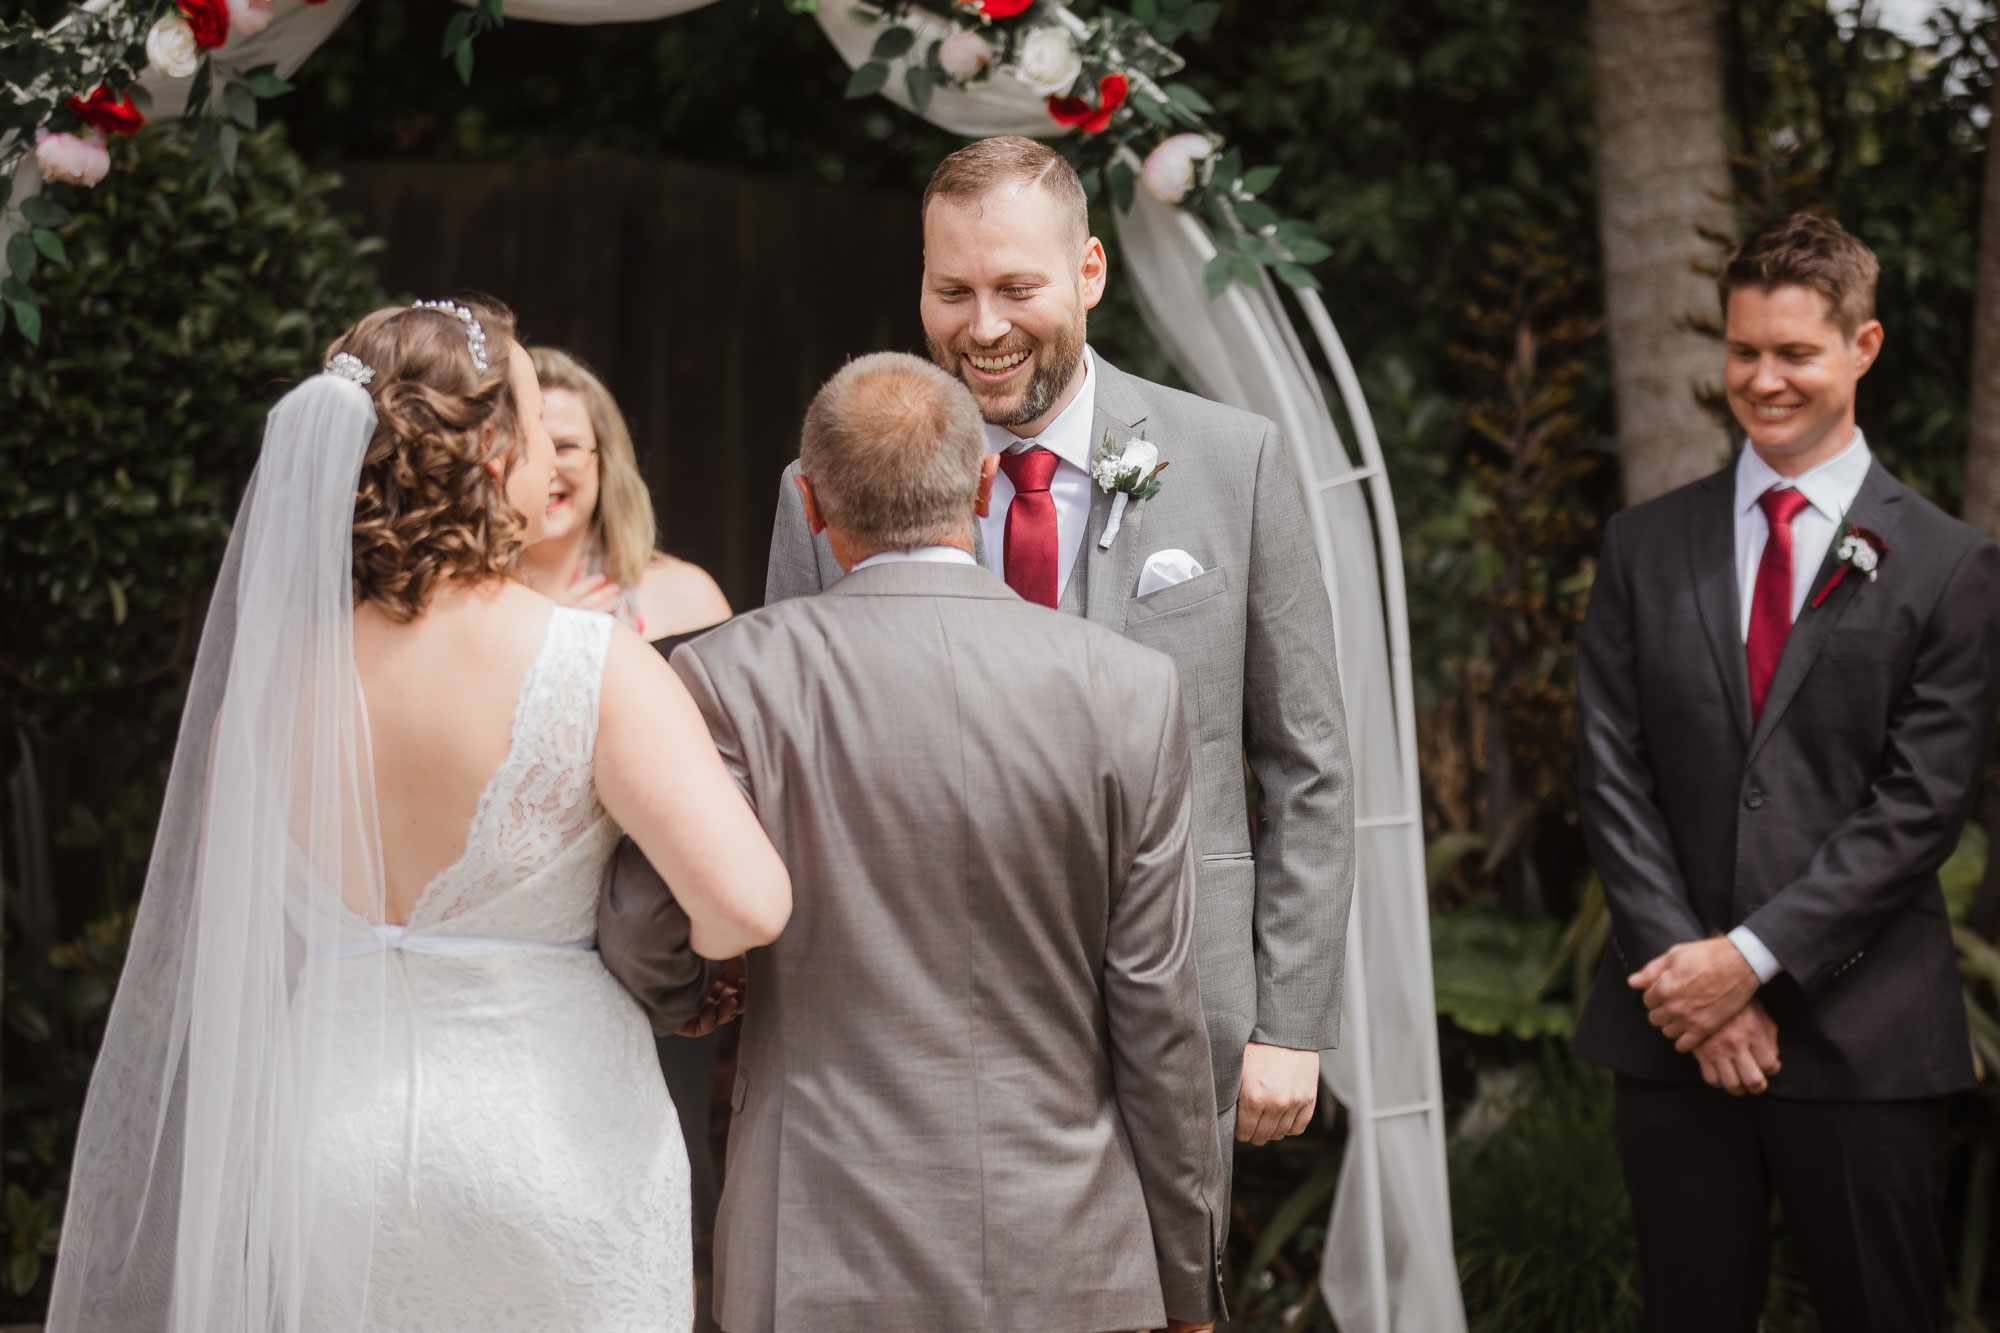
{"x": 268, "y": 85}
{"x": 50, "y": 245}
{"x": 1228, "y": 169}
{"x": 1259, "y": 179}
{"x": 41, "y": 210}
{"x": 1310, "y": 250}
{"x": 1201, "y": 18}
{"x": 1295, "y": 277}
{"x": 463, "y": 60}
{"x": 20, "y": 256}
{"x": 1216, "y": 276}
{"x": 1255, "y": 214}
{"x": 1146, "y": 11}
{"x": 867, "y": 80}
{"x": 456, "y": 33}
{"x": 894, "y": 43}
{"x": 1122, "y": 183}
{"x": 1183, "y": 96}
{"x": 1153, "y": 109}
{"x": 227, "y": 140}
{"x": 200, "y": 87}
{"x": 918, "y": 80}
{"x": 241, "y": 104}
{"x": 27, "y": 318}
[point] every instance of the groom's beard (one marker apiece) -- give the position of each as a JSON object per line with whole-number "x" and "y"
{"x": 1055, "y": 360}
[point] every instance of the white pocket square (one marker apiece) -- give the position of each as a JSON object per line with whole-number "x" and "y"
{"x": 1166, "y": 568}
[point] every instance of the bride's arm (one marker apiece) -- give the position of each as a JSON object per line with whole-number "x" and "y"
{"x": 660, "y": 777}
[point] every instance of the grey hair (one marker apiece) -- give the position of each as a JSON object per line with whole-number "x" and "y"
{"x": 893, "y": 447}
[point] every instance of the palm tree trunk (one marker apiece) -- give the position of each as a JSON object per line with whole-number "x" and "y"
{"x": 1982, "y": 449}
{"x": 1663, "y": 176}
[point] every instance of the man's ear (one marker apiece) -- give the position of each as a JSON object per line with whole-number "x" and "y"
{"x": 983, "y": 498}
{"x": 814, "y": 519}
{"x": 1868, "y": 345}
{"x": 1092, "y": 271}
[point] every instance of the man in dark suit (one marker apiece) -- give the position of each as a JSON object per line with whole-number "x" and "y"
{"x": 1786, "y": 684}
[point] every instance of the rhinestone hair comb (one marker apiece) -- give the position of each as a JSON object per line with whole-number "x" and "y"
{"x": 475, "y": 336}
{"x": 347, "y": 366}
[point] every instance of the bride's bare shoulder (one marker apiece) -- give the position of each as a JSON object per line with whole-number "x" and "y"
{"x": 493, "y": 621}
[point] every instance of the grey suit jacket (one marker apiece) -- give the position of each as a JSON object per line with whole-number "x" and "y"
{"x": 1822, "y": 826}
{"x": 974, "y": 1083}
{"x": 1253, "y": 637}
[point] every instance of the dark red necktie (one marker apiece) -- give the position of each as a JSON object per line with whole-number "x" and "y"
{"x": 1029, "y": 556}
{"x": 1771, "y": 602}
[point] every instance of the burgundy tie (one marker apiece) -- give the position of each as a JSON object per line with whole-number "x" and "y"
{"x": 1771, "y": 602}
{"x": 1029, "y": 556}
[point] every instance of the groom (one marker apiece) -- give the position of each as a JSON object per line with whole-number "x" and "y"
{"x": 974, "y": 1088}
{"x": 1217, "y": 570}
{"x": 1786, "y": 684}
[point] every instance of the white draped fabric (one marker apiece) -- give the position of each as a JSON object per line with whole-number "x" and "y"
{"x": 1389, "y": 1263}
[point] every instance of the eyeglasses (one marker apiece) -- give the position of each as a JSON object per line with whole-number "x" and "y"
{"x": 572, "y": 457}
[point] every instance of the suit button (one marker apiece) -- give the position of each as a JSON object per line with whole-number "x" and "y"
{"x": 1753, "y": 798}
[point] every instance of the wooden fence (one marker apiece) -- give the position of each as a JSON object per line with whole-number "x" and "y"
{"x": 712, "y": 301}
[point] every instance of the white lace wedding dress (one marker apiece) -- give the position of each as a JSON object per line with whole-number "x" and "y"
{"x": 500, "y": 1154}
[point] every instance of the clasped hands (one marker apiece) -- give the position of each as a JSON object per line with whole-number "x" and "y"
{"x": 1702, "y": 995}
{"x": 725, "y": 1001}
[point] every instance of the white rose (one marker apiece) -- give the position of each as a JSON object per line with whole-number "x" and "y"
{"x": 1864, "y": 557}
{"x": 964, "y": 54}
{"x": 1141, "y": 454}
{"x": 1170, "y": 169}
{"x": 171, "y": 49}
{"x": 74, "y": 159}
{"x": 1048, "y": 60}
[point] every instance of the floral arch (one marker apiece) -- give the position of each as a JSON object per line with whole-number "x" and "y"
{"x": 1207, "y": 256}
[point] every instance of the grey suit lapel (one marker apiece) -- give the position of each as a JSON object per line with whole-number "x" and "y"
{"x": 1712, "y": 555}
{"x": 1874, "y": 508}
{"x": 1110, "y": 576}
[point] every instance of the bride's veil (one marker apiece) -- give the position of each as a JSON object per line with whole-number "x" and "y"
{"x": 196, "y": 1204}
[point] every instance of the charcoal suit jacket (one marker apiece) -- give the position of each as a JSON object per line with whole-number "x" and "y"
{"x": 1821, "y": 826}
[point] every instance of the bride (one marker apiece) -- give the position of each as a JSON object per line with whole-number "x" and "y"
{"x": 364, "y": 1071}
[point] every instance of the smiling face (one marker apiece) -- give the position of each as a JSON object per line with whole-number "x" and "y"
{"x": 1791, "y": 374}
{"x": 528, "y": 484}
{"x": 572, "y": 500}
{"x": 1006, "y": 288}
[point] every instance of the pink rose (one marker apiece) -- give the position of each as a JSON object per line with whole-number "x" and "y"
{"x": 73, "y": 159}
{"x": 249, "y": 17}
{"x": 964, "y": 54}
{"x": 1170, "y": 169}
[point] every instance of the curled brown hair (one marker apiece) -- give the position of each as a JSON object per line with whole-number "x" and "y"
{"x": 427, "y": 507}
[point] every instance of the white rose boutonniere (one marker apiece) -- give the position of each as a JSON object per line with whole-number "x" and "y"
{"x": 1048, "y": 61}
{"x": 1128, "y": 471}
{"x": 1860, "y": 550}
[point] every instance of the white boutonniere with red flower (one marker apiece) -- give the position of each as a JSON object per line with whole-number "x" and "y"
{"x": 1860, "y": 550}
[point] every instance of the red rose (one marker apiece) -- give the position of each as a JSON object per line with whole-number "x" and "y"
{"x": 998, "y": 9}
{"x": 210, "y": 21}
{"x": 101, "y": 113}
{"x": 1111, "y": 92}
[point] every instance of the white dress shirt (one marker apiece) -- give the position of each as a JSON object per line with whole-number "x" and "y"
{"x": 1830, "y": 490}
{"x": 1068, "y": 438}
{"x": 921, "y": 555}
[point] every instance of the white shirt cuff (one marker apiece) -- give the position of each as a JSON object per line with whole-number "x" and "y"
{"x": 1762, "y": 961}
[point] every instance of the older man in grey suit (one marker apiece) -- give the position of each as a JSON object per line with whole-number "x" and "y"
{"x": 1217, "y": 569}
{"x": 974, "y": 1084}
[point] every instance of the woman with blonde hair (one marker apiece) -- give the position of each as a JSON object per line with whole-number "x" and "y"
{"x": 365, "y": 1069}
{"x": 598, "y": 551}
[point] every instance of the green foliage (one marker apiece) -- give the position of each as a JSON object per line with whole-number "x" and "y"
{"x": 1490, "y": 965}
{"x": 134, "y": 424}
{"x": 1539, "y": 1215}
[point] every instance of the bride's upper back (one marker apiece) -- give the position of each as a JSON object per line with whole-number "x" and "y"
{"x": 453, "y": 485}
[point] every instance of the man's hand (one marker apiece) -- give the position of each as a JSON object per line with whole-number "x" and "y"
{"x": 1279, "y": 1090}
{"x": 1693, "y": 989}
{"x": 1742, "y": 1053}
{"x": 727, "y": 999}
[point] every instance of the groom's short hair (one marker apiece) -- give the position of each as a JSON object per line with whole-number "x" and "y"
{"x": 985, "y": 165}
{"x": 1813, "y": 252}
{"x": 893, "y": 446}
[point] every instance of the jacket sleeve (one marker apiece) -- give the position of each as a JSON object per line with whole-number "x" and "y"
{"x": 1295, "y": 738}
{"x": 1622, "y": 824}
{"x": 1934, "y": 758}
{"x": 1160, "y": 1068}
{"x": 800, "y": 563}
{"x": 642, "y": 935}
